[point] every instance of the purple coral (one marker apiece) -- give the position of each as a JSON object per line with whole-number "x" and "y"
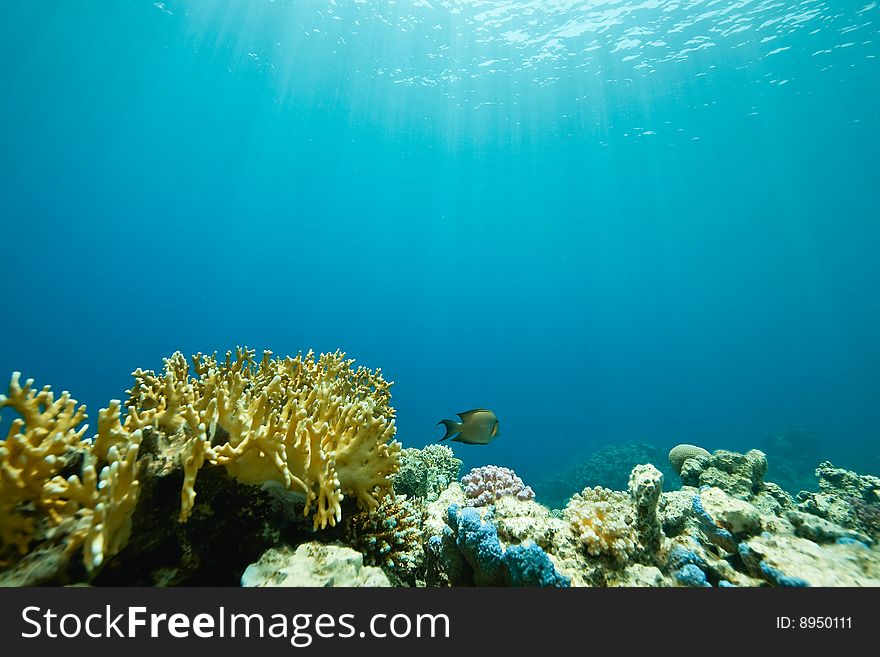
{"x": 482, "y": 486}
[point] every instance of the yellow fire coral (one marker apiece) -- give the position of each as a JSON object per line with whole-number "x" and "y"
{"x": 36, "y": 502}
{"x": 600, "y": 518}
{"x": 316, "y": 425}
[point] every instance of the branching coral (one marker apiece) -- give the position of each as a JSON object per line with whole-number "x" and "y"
{"x": 602, "y": 521}
{"x": 91, "y": 506}
{"x": 316, "y": 425}
{"x": 34, "y": 452}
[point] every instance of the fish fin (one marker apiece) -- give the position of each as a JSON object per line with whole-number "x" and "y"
{"x": 452, "y": 428}
{"x": 494, "y": 431}
{"x": 464, "y": 416}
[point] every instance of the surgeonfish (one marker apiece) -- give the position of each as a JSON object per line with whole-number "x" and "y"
{"x": 477, "y": 427}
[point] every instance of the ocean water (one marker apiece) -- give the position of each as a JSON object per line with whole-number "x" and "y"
{"x": 606, "y": 221}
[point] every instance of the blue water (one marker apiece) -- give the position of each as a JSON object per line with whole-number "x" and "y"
{"x": 606, "y": 221}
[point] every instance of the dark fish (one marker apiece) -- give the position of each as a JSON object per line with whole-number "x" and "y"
{"x": 477, "y": 427}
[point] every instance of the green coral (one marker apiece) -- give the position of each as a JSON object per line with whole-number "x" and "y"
{"x": 425, "y": 473}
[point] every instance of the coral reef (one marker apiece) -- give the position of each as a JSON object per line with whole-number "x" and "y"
{"x": 426, "y": 472}
{"x": 318, "y": 428}
{"x": 621, "y": 527}
{"x": 483, "y": 486}
{"x": 846, "y": 499}
{"x": 681, "y": 453}
{"x": 216, "y": 464}
{"x": 484, "y": 561}
{"x": 390, "y": 537}
{"x": 738, "y": 475}
{"x": 842, "y": 482}
{"x": 529, "y": 565}
{"x": 601, "y": 519}
{"x": 607, "y": 467}
{"x": 820, "y": 530}
{"x": 59, "y": 492}
{"x": 867, "y": 516}
{"x": 675, "y": 510}
{"x": 316, "y": 425}
{"x": 691, "y": 575}
{"x": 716, "y": 535}
{"x": 737, "y": 516}
{"x": 645, "y": 487}
{"x": 478, "y": 543}
{"x": 313, "y": 564}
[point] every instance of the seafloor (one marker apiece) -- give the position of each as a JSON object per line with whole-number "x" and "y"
{"x": 266, "y": 471}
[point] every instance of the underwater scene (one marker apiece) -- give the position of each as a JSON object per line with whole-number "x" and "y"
{"x": 440, "y": 293}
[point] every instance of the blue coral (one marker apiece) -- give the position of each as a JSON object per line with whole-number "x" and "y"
{"x": 691, "y": 575}
{"x": 754, "y": 561}
{"x": 715, "y": 534}
{"x": 680, "y": 556}
{"x": 530, "y": 566}
{"x": 778, "y": 578}
{"x": 478, "y": 544}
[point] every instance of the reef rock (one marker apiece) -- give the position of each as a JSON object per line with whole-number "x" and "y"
{"x": 675, "y": 510}
{"x": 645, "y": 488}
{"x": 738, "y": 475}
{"x": 735, "y": 515}
{"x": 785, "y": 560}
{"x": 846, "y": 483}
{"x": 313, "y": 564}
{"x": 820, "y": 530}
{"x": 847, "y": 499}
{"x": 519, "y": 521}
{"x": 638, "y": 576}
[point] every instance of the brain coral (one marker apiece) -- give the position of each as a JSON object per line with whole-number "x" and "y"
{"x": 681, "y": 453}
{"x": 316, "y": 425}
{"x": 601, "y": 519}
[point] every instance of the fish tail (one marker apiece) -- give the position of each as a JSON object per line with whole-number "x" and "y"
{"x": 452, "y": 428}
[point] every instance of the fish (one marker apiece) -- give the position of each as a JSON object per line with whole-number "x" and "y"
{"x": 477, "y": 427}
